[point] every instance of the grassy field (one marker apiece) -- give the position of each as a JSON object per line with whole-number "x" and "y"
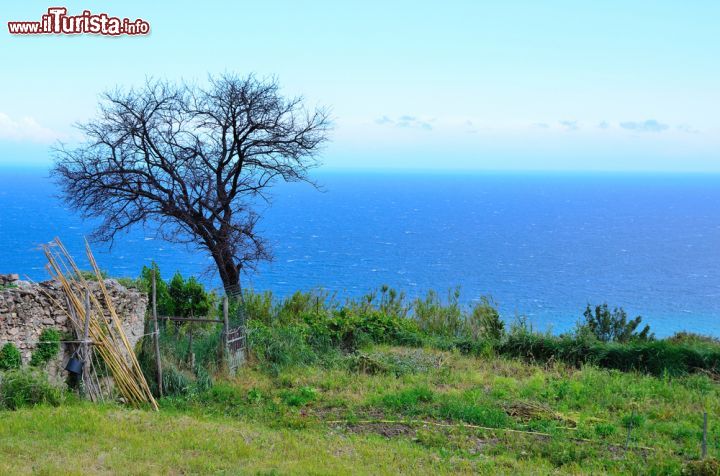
{"x": 386, "y": 410}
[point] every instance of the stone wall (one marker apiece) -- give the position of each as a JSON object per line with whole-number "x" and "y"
{"x": 28, "y": 308}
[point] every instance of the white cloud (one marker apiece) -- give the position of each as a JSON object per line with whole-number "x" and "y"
{"x": 650, "y": 125}
{"x": 25, "y": 129}
{"x": 570, "y": 125}
{"x": 406, "y": 121}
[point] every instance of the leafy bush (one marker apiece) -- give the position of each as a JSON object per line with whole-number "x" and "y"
{"x": 633, "y": 420}
{"x": 144, "y": 283}
{"x": 613, "y": 326}
{"x": 604, "y": 430}
{"x": 299, "y": 397}
{"x": 258, "y": 306}
{"x": 300, "y": 303}
{"x": 390, "y": 302}
{"x": 179, "y": 378}
{"x": 690, "y": 338}
{"x": 178, "y": 297}
{"x": 175, "y": 381}
{"x": 653, "y": 357}
{"x": 277, "y": 347}
{"x": 312, "y": 337}
{"x": 254, "y": 396}
{"x": 21, "y": 388}
{"x": 351, "y": 331}
{"x": 47, "y": 349}
{"x": 485, "y": 322}
{"x": 435, "y": 318}
{"x": 10, "y": 357}
{"x": 188, "y": 297}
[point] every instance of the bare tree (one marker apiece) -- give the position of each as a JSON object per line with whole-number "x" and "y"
{"x": 192, "y": 162}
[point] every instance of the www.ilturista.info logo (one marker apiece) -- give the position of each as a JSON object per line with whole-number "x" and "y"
{"x": 58, "y": 22}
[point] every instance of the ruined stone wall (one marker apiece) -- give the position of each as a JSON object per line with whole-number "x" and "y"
{"x": 28, "y": 308}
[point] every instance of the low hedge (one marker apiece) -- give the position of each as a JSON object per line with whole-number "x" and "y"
{"x": 653, "y": 357}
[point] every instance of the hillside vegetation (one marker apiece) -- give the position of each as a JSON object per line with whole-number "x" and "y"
{"x": 383, "y": 410}
{"x": 380, "y": 385}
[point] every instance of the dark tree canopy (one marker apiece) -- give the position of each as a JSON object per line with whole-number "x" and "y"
{"x": 192, "y": 161}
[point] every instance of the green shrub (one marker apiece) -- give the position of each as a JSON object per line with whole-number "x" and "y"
{"x": 297, "y": 304}
{"x": 299, "y": 397}
{"x": 484, "y": 321}
{"x": 188, "y": 297}
{"x": 207, "y": 346}
{"x": 178, "y": 377}
{"x": 10, "y": 357}
{"x": 604, "y": 430}
{"x": 257, "y": 306}
{"x": 633, "y": 420}
{"x": 164, "y": 303}
{"x": 203, "y": 379}
{"x": 277, "y": 347}
{"x": 693, "y": 339}
{"x": 175, "y": 381}
{"x": 407, "y": 401}
{"x": 613, "y": 326}
{"x": 254, "y": 396}
{"x": 21, "y": 388}
{"x": 47, "y": 349}
{"x": 653, "y": 357}
{"x": 351, "y": 331}
{"x": 178, "y": 297}
{"x": 386, "y": 300}
{"x": 223, "y": 394}
{"x": 435, "y": 318}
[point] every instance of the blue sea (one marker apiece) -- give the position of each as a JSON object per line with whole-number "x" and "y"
{"x": 542, "y": 245}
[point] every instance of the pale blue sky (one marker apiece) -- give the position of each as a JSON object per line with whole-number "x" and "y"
{"x": 574, "y": 85}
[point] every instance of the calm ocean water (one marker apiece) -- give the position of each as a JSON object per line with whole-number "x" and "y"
{"x": 542, "y": 245}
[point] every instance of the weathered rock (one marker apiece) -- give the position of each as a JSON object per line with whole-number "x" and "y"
{"x": 9, "y": 279}
{"x": 28, "y": 308}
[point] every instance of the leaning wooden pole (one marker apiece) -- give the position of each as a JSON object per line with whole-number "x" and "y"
{"x": 86, "y": 377}
{"x": 103, "y": 323}
{"x": 156, "y": 334}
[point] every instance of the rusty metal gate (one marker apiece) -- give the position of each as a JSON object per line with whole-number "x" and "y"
{"x": 236, "y": 345}
{"x": 236, "y": 337}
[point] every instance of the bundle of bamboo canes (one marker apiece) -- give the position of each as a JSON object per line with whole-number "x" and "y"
{"x": 109, "y": 340}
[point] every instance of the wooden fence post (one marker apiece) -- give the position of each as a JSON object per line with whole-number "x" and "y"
{"x": 226, "y": 328}
{"x": 156, "y": 334}
{"x": 704, "y": 437}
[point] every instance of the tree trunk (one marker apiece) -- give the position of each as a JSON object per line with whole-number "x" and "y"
{"x": 229, "y": 272}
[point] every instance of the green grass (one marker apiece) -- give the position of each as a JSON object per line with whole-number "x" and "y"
{"x": 365, "y": 419}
